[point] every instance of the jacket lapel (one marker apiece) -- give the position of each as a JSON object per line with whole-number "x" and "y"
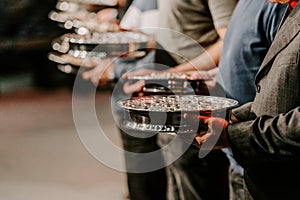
{"x": 286, "y": 33}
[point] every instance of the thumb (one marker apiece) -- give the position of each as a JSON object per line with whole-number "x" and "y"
{"x": 135, "y": 87}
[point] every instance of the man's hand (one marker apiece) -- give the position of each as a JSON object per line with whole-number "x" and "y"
{"x": 101, "y": 74}
{"x": 107, "y": 15}
{"x": 210, "y": 129}
{"x": 209, "y": 76}
{"x": 216, "y": 130}
{"x": 130, "y": 88}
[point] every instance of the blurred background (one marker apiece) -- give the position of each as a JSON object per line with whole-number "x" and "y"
{"x": 26, "y": 34}
{"x": 41, "y": 156}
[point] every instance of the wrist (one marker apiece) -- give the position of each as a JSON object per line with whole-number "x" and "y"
{"x": 172, "y": 69}
{"x": 223, "y": 139}
{"x": 225, "y": 134}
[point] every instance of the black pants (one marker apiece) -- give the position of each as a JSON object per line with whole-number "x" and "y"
{"x": 148, "y": 185}
{"x": 194, "y": 178}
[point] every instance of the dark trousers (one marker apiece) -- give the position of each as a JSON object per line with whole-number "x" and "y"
{"x": 194, "y": 178}
{"x": 148, "y": 185}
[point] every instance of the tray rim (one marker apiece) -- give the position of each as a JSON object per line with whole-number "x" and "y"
{"x": 234, "y": 104}
{"x": 146, "y": 77}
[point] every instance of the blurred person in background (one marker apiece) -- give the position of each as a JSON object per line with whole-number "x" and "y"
{"x": 250, "y": 33}
{"x": 205, "y": 22}
{"x": 141, "y": 15}
{"x": 26, "y": 33}
{"x": 202, "y": 25}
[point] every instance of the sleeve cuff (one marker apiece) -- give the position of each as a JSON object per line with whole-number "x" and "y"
{"x": 242, "y": 113}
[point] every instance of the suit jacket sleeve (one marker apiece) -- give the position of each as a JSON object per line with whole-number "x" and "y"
{"x": 269, "y": 131}
{"x": 266, "y": 138}
{"x": 243, "y": 113}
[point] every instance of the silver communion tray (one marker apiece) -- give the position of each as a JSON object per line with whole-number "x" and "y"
{"x": 177, "y": 103}
{"x": 103, "y": 45}
{"x": 171, "y": 83}
{"x": 165, "y": 113}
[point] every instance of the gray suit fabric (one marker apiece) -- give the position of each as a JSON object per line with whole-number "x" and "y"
{"x": 266, "y": 141}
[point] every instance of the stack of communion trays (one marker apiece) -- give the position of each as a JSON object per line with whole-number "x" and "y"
{"x": 94, "y": 35}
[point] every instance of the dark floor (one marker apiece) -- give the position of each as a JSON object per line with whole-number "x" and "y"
{"x": 41, "y": 155}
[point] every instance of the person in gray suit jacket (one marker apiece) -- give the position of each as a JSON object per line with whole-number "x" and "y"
{"x": 264, "y": 135}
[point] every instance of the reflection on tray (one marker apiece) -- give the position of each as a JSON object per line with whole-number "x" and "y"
{"x": 156, "y": 128}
